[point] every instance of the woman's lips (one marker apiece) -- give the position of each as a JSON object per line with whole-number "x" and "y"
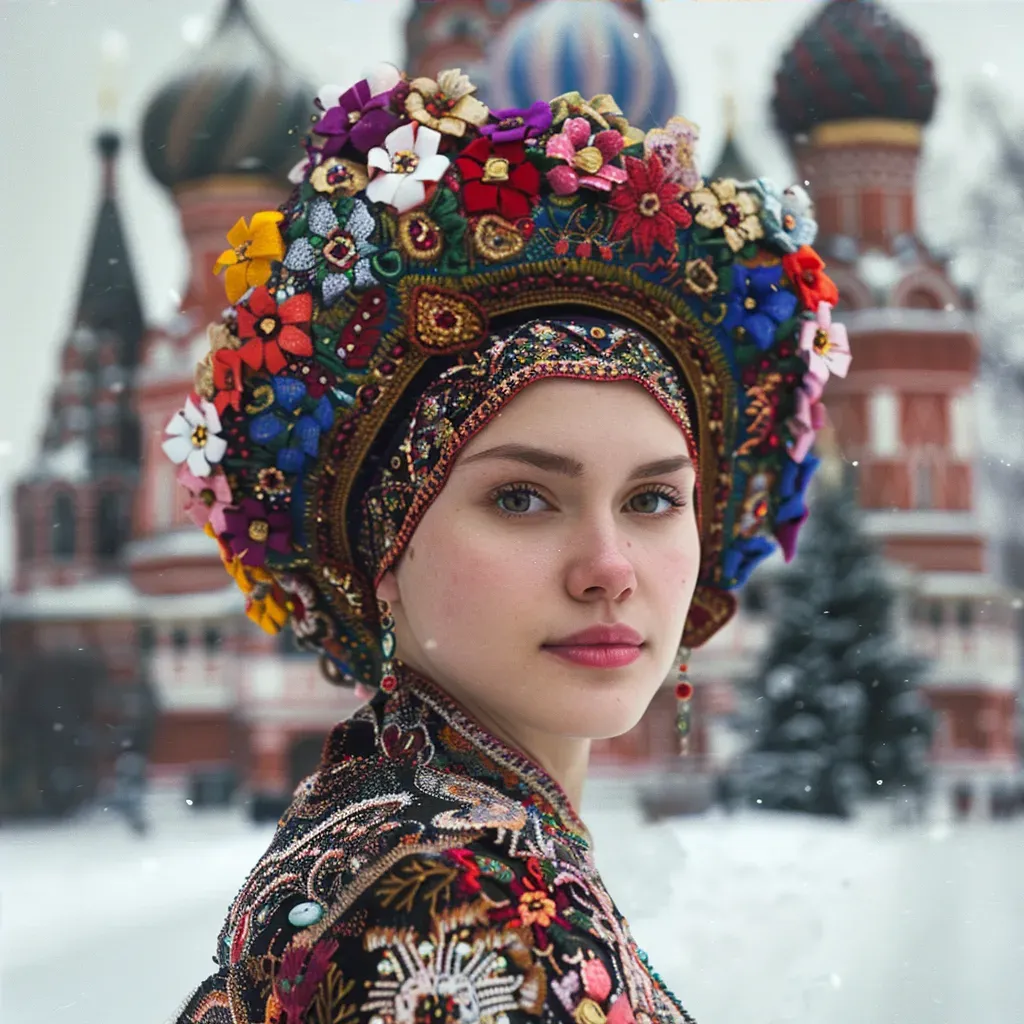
{"x": 597, "y": 655}
{"x": 609, "y": 645}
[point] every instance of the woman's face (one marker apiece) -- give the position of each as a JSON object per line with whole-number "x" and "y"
{"x": 572, "y": 509}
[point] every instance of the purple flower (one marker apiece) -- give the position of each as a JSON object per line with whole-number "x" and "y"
{"x": 514, "y": 124}
{"x": 360, "y": 118}
{"x": 758, "y": 304}
{"x": 250, "y": 529}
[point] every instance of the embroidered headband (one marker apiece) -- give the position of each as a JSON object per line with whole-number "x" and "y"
{"x": 419, "y": 218}
{"x": 406, "y": 478}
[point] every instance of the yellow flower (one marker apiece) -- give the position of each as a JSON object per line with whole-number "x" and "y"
{"x": 447, "y": 105}
{"x": 235, "y": 568}
{"x": 203, "y": 379}
{"x": 220, "y": 337}
{"x": 602, "y": 111}
{"x": 572, "y": 104}
{"x": 589, "y": 1012}
{"x": 254, "y": 246}
{"x": 605, "y": 105}
{"x": 722, "y": 205}
{"x": 265, "y": 607}
{"x": 337, "y": 177}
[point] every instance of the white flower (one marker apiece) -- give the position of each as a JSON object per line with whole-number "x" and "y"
{"x": 195, "y": 437}
{"x": 406, "y": 162}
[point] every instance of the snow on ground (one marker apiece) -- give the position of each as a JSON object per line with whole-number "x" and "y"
{"x": 756, "y": 919}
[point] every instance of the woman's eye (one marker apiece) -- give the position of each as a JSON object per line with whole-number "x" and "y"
{"x": 518, "y": 502}
{"x": 651, "y": 503}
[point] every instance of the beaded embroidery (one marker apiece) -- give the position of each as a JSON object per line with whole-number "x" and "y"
{"x": 427, "y": 871}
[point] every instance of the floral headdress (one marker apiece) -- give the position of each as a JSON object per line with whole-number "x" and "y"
{"x": 419, "y": 218}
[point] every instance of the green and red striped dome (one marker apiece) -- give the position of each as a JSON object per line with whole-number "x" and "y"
{"x": 854, "y": 60}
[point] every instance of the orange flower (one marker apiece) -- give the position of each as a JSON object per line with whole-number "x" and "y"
{"x": 536, "y": 908}
{"x": 254, "y": 246}
{"x": 806, "y": 269}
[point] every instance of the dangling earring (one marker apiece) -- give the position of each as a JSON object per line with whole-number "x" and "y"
{"x": 388, "y": 681}
{"x": 684, "y": 700}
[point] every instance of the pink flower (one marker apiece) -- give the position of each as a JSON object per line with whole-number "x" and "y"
{"x": 809, "y": 417}
{"x": 209, "y": 496}
{"x": 674, "y": 145}
{"x": 587, "y": 160}
{"x": 825, "y": 345}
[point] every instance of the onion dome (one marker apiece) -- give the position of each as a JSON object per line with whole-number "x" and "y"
{"x": 560, "y": 46}
{"x": 853, "y": 61}
{"x": 236, "y": 109}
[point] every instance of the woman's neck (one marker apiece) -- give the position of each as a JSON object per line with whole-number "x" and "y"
{"x": 565, "y": 760}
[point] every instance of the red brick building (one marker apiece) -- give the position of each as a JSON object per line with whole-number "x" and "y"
{"x": 122, "y": 571}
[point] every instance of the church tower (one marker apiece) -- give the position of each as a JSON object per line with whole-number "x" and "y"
{"x": 73, "y": 508}
{"x": 853, "y": 96}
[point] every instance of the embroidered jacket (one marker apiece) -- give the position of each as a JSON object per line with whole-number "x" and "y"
{"x": 426, "y": 872}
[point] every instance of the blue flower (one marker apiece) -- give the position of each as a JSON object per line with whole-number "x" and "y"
{"x": 305, "y": 439}
{"x": 758, "y": 304}
{"x": 304, "y": 421}
{"x": 793, "y": 481}
{"x": 742, "y": 557}
{"x": 792, "y": 513}
{"x": 787, "y": 217}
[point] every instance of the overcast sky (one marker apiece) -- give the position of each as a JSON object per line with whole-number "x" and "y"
{"x": 50, "y": 60}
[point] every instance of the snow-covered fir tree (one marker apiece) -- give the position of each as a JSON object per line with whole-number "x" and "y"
{"x": 840, "y": 707}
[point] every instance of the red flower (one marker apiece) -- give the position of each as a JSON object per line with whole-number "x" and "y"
{"x": 498, "y": 179}
{"x": 806, "y": 269}
{"x": 227, "y": 373}
{"x": 278, "y": 328}
{"x": 649, "y": 207}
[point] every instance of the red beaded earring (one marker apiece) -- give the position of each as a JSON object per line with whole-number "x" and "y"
{"x": 684, "y": 700}
{"x": 388, "y": 681}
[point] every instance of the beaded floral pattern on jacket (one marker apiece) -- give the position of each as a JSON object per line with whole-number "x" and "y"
{"x": 427, "y": 872}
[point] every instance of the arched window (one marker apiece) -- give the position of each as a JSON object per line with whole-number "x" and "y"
{"x": 922, "y": 298}
{"x": 109, "y": 525}
{"x": 965, "y": 615}
{"x": 212, "y": 639}
{"x": 64, "y": 525}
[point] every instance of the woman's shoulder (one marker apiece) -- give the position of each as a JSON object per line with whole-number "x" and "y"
{"x": 438, "y": 932}
{"x": 396, "y": 891}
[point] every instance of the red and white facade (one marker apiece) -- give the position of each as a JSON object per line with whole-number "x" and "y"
{"x": 232, "y": 696}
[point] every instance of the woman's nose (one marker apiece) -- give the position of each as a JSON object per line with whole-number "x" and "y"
{"x": 600, "y": 568}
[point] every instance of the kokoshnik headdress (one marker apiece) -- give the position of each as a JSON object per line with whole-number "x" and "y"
{"x": 364, "y": 344}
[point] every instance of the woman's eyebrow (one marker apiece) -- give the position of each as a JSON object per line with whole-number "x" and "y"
{"x": 566, "y": 466}
{"x": 663, "y": 466}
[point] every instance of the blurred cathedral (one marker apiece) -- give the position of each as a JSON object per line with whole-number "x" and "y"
{"x": 108, "y": 563}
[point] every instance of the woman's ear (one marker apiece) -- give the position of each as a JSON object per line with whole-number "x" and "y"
{"x": 387, "y": 589}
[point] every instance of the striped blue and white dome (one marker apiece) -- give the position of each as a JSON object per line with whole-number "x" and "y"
{"x": 590, "y": 46}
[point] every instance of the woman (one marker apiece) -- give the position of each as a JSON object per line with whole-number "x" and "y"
{"x": 507, "y": 405}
